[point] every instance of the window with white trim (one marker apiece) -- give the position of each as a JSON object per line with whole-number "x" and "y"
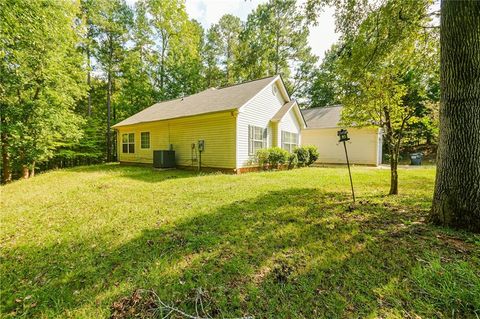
{"x": 145, "y": 139}
{"x": 128, "y": 143}
{"x": 257, "y": 139}
{"x": 289, "y": 141}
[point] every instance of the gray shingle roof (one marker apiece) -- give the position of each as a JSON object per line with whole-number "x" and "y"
{"x": 208, "y": 101}
{"x": 323, "y": 117}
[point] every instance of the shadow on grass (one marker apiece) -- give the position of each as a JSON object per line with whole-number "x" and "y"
{"x": 295, "y": 253}
{"x": 140, "y": 173}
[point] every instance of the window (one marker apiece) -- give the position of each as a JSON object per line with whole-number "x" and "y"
{"x": 145, "y": 140}
{"x": 289, "y": 141}
{"x": 257, "y": 139}
{"x": 128, "y": 143}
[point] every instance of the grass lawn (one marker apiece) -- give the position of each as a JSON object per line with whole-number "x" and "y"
{"x": 270, "y": 245}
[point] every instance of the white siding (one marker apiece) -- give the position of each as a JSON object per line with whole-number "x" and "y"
{"x": 363, "y": 147}
{"x": 289, "y": 123}
{"x": 259, "y": 111}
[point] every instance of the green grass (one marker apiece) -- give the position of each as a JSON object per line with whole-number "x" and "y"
{"x": 271, "y": 245}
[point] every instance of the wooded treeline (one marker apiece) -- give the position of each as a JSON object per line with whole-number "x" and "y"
{"x": 69, "y": 70}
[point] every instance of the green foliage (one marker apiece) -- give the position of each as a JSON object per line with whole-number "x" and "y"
{"x": 277, "y": 156}
{"x": 262, "y": 157}
{"x": 312, "y": 154}
{"x": 222, "y": 51}
{"x": 386, "y": 69}
{"x": 275, "y": 41}
{"x": 292, "y": 160}
{"x": 272, "y": 157}
{"x": 325, "y": 88}
{"x": 303, "y": 155}
{"x": 41, "y": 72}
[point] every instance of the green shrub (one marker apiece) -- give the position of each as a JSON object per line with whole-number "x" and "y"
{"x": 312, "y": 154}
{"x": 277, "y": 156}
{"x": 303, "y": 156}
{"x": 261, "y": 157}
{"x": 292, "y": 161}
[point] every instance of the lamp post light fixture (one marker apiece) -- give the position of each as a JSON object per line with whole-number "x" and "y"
{"x": 343, "y": 135}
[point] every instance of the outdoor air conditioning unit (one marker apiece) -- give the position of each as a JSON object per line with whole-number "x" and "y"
{"x": 164, "y": 159}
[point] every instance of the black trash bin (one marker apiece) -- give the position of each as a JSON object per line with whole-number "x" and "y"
{"x": 416, "y": 158}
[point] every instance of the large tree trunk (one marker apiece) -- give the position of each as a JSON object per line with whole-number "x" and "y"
{"x": 6, "y": 168}
{"x": 456, "y": 201}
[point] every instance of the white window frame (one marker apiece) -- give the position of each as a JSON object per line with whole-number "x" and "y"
{"x": 128, "y": 142}
{"x": 141, "y": 140}
{"x": 257, "y": 138}
{"x": 289, "y": 140}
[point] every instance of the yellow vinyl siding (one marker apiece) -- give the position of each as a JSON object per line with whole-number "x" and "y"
{"x": 217, "y": 130}
{"x": 362, "y": 147}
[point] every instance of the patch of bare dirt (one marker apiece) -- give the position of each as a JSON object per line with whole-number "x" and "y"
{"x": 138, "y": 305}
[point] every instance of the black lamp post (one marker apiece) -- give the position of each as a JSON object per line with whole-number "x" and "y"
{"x": 343, "y": 135}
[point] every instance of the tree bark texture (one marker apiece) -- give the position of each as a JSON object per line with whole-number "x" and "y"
{"x": 89, "y": 83}
{"x": 393, "y": 173}
{"x": 109, "y": 102}
{"x": 6, "y": 167}
{"x": 456, "y": 200}
{"x": 25, "y": 172}
{"x": 109, "y": 108}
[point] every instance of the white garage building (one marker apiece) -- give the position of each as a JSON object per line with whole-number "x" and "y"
{"x": 364, "y": 147}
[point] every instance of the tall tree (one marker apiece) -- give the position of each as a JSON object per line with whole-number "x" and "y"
{"x": 276, "y": 42}
{"x": 325, "y": 88}
{"x": 89, "y": 9}
{"x": 456, "y": 201}
{"x": 168, "y": 19}
{"x": 112, "y": 36}
{"x": 213, "y": 72}
{"x": 135, "y": 88}
{"x": 385, "y": 67}
{"x": 224, "y": 40}
{"x": 41, "y": 79}
{"x": 184, "y": 61}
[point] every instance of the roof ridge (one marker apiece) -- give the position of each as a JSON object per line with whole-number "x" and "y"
{"x": 249, "y": 81}
{"x": 219, "y": 88}
{"x": 322, "y": 107}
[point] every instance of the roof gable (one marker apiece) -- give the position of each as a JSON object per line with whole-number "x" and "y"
{"x": 285, "y": 109}
{"x": 207, "y": 101}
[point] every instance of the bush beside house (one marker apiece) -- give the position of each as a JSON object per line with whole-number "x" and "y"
{"x": 276, "y": 157}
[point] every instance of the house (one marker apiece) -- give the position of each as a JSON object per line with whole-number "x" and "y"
{"x": 233, "y": 123}
{"x": 364, "y": 147}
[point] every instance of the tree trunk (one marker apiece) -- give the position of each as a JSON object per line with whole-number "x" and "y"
{"x": 6, "y": 168}
{"x": 393, "y": 172}
{"x": 89, "y": 85}
{"x": 456, "y": 200}
{"x": 109, "y": 96}
{"x": 25, "y": 172}
{"x": 109, "y": 93}
{"x": 32, "y": 170}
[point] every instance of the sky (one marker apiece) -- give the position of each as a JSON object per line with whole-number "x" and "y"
{"x": 208, "y": 12}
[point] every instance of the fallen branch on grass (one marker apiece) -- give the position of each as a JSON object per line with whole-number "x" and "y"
{"x": 154, "y": 306}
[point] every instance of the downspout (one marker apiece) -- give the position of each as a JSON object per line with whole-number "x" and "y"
{"x": 234, "y": 114}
